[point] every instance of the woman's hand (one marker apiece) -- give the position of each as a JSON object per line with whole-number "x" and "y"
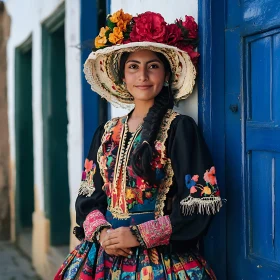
{"x": 118, "y": 241}
{"x": 105, "y": 236}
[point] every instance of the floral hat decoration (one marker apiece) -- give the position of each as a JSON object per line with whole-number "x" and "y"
{"x": 125, "y": 33}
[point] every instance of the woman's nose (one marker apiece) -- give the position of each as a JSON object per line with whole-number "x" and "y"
{"x": 143, "y": 74}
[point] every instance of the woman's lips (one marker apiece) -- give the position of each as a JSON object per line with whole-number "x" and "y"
{"x": 143, "y": 87}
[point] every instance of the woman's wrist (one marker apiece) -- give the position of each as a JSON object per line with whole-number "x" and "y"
{"x": 135, "y": 231}
{"x": 103, "y": 229}
{"x": 102, "y": 234}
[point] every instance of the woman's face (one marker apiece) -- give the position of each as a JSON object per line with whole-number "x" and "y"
{"x": 144, "y": 75}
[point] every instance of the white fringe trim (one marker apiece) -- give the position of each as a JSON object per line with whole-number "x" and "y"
{"x": 204, "y": 205}
{"x": 86, "y": 188}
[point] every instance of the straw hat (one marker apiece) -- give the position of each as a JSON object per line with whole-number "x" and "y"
{"x": 125, "y": 33}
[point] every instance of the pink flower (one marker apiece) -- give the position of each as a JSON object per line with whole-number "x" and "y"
{"x": 159, "y": 146}
{"x": 195, "y": 178}
{"x": 210, "y": 176}
{"x": 88, "y": 165}
{"x": 149, "y": 27}
{"x": 193, "y": 189}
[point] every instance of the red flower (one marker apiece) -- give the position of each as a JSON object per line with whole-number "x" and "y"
{"x": 156, "y": 163}
{"x": 148, "y": 194}
{"x": 149, "y": 27}
{"x": 173, "y": 34}
{"x": 189, "y": 49}
{"x": 191, "y": 26}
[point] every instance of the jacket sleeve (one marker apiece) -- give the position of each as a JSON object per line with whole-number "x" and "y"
{"x": 91, "y": 203}
{"x": 196, "y": 195}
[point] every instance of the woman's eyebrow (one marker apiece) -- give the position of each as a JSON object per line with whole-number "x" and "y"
{"x": 138, "y": 62}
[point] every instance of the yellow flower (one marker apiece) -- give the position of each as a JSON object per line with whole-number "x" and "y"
{"x": 122, "y": 24}
{"x": 206, "y": 190}
{"x": 129, "y": 194}
{"x": 120, "y": 15}
{"x": 116, "y": 16}
{"x": 103, "y": 31}
{"x": 100, "y": 41}
{"x": 117, "y": 36}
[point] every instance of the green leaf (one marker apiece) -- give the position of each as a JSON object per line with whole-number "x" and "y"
{"x": 111, "y": 25}
{"x": 107, "y": 33}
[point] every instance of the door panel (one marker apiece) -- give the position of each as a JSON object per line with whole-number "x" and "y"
{"x": 263, "y": 147}
{"x": 253, "y": 138}
{"x": 262, "y": 206}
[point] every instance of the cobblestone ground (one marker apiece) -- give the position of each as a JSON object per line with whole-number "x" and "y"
{"x": 14, "y": 265}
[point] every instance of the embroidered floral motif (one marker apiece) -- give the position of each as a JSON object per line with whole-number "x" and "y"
{"x": 138, "y": 190}
{"x": 156, "y": 232}
{"x": 93, "y": 222}
{"x": 210, "y": 176}
{"x": 205, "y": 198}
{"x": 123, "y": 188}
{"x": 166, "y": 182}
{"x": 87, "y": 185}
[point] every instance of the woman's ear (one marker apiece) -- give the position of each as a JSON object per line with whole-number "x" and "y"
{"x": 167, "y": 77}
{"x": 124, "y": 83}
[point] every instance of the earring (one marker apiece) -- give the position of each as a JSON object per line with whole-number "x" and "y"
{"x": 124, "y": 84}
{"x": 166, "y": 84}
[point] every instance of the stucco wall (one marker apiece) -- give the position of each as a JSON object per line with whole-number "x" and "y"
{"x": 170, "y": 10}
{"x": 27, "y": 17}
{"x": 4, "y": 139}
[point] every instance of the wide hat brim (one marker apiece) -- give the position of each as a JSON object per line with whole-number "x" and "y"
{"x": 102, "y": 66}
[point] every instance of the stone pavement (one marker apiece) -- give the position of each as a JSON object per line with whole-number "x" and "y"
{"x": 14, "y": 265}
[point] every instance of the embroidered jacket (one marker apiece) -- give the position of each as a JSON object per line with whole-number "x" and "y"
{"x": 183, "y": 199}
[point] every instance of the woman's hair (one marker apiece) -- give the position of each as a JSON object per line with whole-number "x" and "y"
{"x": 142, "y": 156}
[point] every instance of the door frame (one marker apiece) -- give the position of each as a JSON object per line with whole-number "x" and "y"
{"x": 58, "y": 235}
{"x": 21, "y": 198}
{"x": 211, "y": 116}
{"x": 91, "y": 102}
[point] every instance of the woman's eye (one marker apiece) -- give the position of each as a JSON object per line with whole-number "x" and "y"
{"x": 132, "y": 66}
{"x": 153, "y": 66}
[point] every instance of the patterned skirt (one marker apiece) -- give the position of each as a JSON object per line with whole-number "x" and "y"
{"x": 89, "y": 261}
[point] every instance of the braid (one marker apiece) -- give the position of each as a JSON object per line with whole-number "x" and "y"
{"x": 143, "y": 154}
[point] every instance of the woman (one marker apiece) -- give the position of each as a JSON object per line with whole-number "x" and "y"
{"x": 148, "y": 191}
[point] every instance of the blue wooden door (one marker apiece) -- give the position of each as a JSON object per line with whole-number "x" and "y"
{"x": 252, "y": 117}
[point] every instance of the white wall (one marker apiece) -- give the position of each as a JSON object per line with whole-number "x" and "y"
{"x": 170, "y": 10}
{"x": 26, "y": 19}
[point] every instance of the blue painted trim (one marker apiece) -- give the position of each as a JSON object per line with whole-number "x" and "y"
{"x": 108, "y": 6}
{"x": 211, "y": 116}
{"x": 88, "y": 29}
{"x": 108, "y": 10}
{"x": 204, "y": 75}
